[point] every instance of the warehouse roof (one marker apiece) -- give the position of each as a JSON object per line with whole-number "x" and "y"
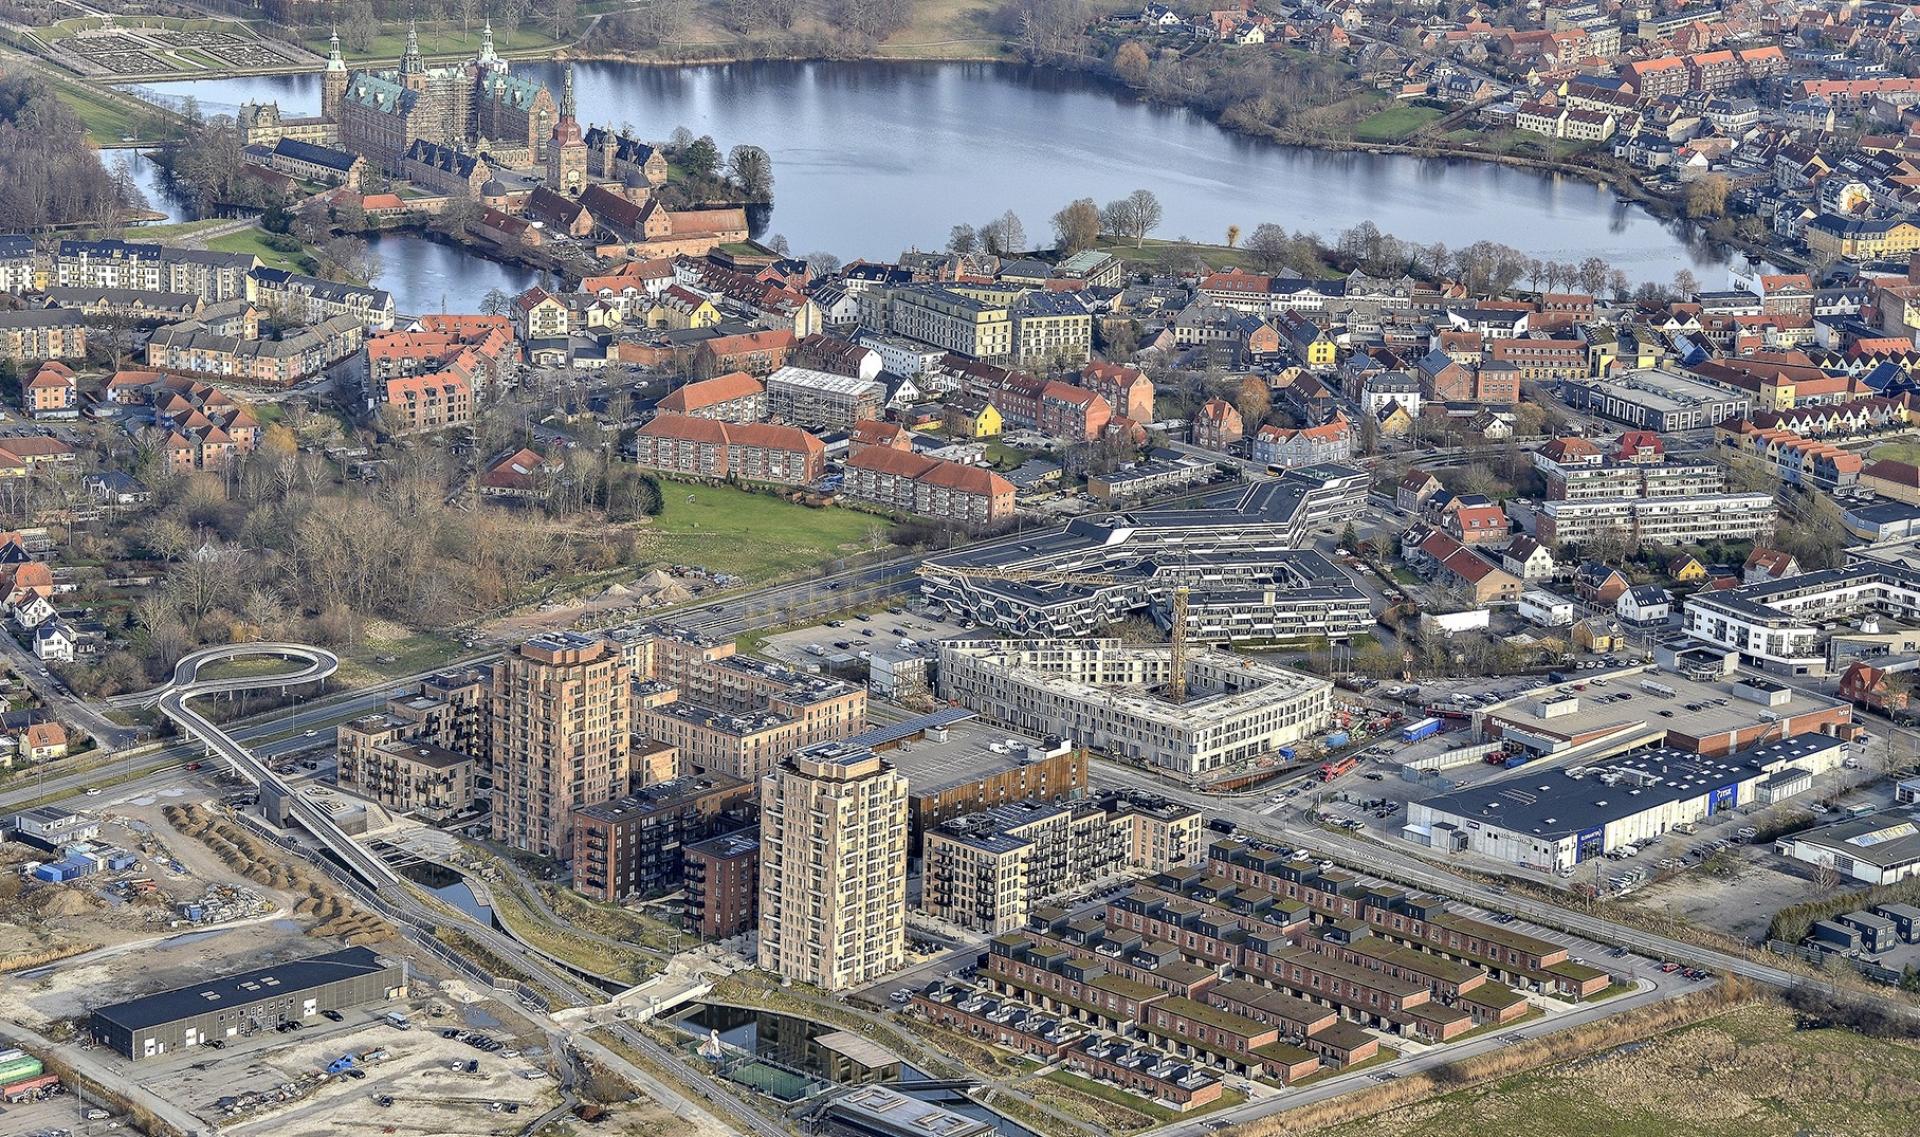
{"x": 242, "y": 990}
{"x": 1561, "y": 803}
{"x": 1885, "y": 840}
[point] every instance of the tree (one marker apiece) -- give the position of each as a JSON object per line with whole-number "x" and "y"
{"x": 1076, "y": 227}
{"x": 1685, "y": 284}
{"x": 1135, "y": 215}
{"x": 496, "y": 302}
{"x": 1130, "y": 64}
{"x": 1707, "y": 197}
{"x": 1233, "y": 235}
{"x": 752, "y": 170}
{"x": 1252, "y": 399}
{"x": 1594, "y": 272}
{"x": 349, "y": 259}
{"x": 1269, "y": 246}
{"x": 962, "y": 239}
{"x": 358, "y": 28}
{"x": 701, "y": 158}
{"x": 1004, "y": 235}
{"x": 822, "y": 263}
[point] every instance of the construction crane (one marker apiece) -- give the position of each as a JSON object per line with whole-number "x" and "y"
{"x": 1177, "y": 691}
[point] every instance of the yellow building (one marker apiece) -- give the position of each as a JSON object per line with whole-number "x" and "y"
{"x": 1848, "y": 239}
{"x": 682, "y": 308}
{"x": 969, "y": 416}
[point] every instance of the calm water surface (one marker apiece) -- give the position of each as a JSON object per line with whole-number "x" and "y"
{"x": 872, "y": 158}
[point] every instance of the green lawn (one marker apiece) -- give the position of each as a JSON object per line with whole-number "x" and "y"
{"x": 1747, "y": 1073}
{"x": 756, "y": 536}
{"x": 107, "y": 120}
{"x": 376, "y": 660}
{"x": 1395, "y": 123}
{"x": 261, "y": 666}
{"x": 436, "y": 41}
{"x": 255, "y": 241}
{"x": 1905, "y": 450}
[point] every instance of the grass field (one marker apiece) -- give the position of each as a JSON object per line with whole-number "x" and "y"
{"x": 445, "y": 40}
{"x": 1394, "y": 123}
{"x": 1905, "y": 450}
{"x": 107, "y": 120}
{"x": 1747, "y": 1073}
{"x": 236, "y": 668}
{"x": 756, "y": 536}
{"x": 378, "y": 659}
{"x": 254, "y": 241}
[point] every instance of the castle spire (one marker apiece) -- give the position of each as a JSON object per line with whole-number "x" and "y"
{"x": 566, "y": 95}
{"x": 410, "y": 62}
{"x": 334, "y": 62}
{"x": 487, "y": 57}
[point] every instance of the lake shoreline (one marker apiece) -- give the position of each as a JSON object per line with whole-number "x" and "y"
{"x": 1623, "y": 183}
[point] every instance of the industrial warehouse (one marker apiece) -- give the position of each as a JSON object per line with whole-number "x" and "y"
{"x": 1556, "y": 819}
{"x": 1124, "y": 700}
{"x": 1238, "y": 557}
{"x": 251, "y": 1001}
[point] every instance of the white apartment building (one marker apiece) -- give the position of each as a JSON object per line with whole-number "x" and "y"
{"x": 1108, "y": 696}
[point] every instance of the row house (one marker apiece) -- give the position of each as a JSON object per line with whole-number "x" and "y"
{"x": 1800, "y": 461}
{"x": 190, "y": 348}
{"x": 1074, "y": 414}
{"x": 999, "y": 1022}
{"x": 733, "y": 397}
{"x": 913, "y": 483}
{"x": 1143, "y": 1069}
{"x": 1541, "y": 358}
{"x": 746, "y": 451}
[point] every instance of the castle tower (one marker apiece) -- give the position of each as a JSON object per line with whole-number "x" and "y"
{"x": 487, "y": 60}
{"x": 567, "y": 149}
{"x": 333, "y": 85}
{"x": 413, "y": 69}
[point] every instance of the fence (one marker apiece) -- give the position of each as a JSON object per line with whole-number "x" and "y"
{"x": 1818, "y": 958}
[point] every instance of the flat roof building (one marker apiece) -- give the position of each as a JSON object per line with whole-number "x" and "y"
{"x": 1109, "y": 696}
{"x": 1880, "y": 848}
{"x": 1556, "y": 819}
{"x": 220, "y": 1009}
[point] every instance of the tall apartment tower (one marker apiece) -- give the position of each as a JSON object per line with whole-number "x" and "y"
{"x": 833, "y": 867}
{"x": 560, "y": 734}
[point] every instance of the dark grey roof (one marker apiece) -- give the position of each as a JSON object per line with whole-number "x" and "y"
{"x": 327, "y": 156}
{"x": 275, "y": 982}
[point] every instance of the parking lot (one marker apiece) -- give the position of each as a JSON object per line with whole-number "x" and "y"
{"x": 862, "y": 635}
{"x": 60, "y": 1115}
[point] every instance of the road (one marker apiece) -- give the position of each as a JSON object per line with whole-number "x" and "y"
{"x": 62, "y": 703}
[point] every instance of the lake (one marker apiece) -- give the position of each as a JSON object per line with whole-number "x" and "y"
{"x": 425, "y": 275}
{"x": 871, "y": 159}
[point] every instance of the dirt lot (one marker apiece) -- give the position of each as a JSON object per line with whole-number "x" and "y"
{"x": 429, "y": 1097}
{"x": 1741, "y": 904}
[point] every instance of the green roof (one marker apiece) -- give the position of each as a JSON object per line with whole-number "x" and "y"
{"x": 1494, "y": 995}
{"x": 1212, "y": 1016}
{"x": 1124, "y": 987}
{"x": 1285, "y": 1053}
